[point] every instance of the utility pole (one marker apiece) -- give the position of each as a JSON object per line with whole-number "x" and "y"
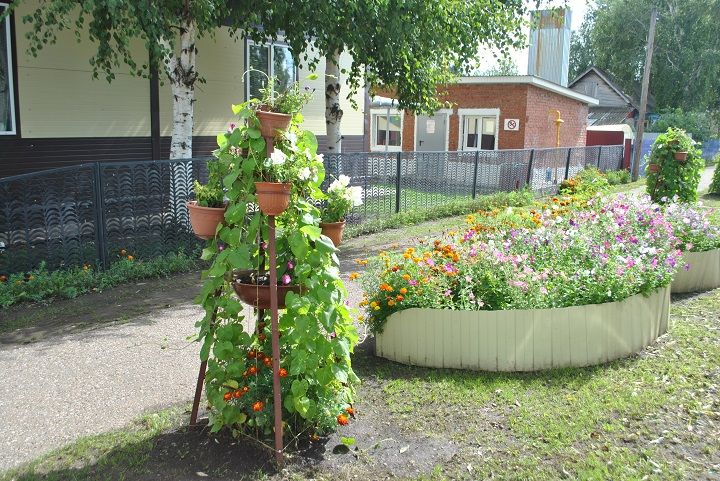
{"x": 644, "y": 96}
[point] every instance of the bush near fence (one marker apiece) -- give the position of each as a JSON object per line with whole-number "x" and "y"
{"x": 87, "y": 213}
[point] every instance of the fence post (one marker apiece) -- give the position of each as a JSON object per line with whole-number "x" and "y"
{"x": 99, "y": 208}
{"x": 567, "y": 164}
{"x": 475, "y": 172}
{"x": 530, "y": 168}
{"x": 599, "y": 152}
{"x": 397, "y": 183}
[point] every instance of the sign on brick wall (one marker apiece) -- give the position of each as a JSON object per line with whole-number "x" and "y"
{"x": 512, "y": 124}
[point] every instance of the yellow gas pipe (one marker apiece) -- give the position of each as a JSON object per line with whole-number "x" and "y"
{"x": 558, "y": 123}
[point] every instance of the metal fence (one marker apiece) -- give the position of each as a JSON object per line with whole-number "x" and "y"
{"x": 401, "y": 181}
{"x": 90, "y": 212}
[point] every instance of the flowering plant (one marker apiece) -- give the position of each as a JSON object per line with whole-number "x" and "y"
{"x": 293, "y": 160}
{"x": 341, "y": 198}
{"x": 211, "y": 193}
{"x": 693, "y": 227}
{"x": 616, "y": 248}
{"x": 673, "y": 177}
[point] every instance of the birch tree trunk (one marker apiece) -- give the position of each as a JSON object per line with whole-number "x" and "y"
{"x": 183, "y": 74}
{"x": 333, "y": 112}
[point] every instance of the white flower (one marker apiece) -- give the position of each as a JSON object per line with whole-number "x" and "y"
{"x": 356, "y": 194}
{"x": 336, "y": 186}
{"x": 278, "y": 157}
{"x": 304, "y": 173}
{"x": 292, "y": 138}
{"x": 320, "y": 158}
{"x": 344, "y": 180}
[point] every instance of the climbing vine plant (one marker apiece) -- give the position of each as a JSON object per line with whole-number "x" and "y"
{"x": 317, "y": 335}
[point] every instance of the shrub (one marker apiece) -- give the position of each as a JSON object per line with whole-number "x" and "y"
{"x": 617, "y": 248}
{"x": 617, "y": 177}
{"x": 668, "y": 178}
{"x": 695, "y": 123}
{"x": 586, "y": 183}
{"x": 43, "y": 285}
{"x": 715, "y": 185}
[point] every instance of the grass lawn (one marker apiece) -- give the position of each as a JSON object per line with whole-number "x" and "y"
{"x": 651, "y": 417}
{"x": 639, "y": 184}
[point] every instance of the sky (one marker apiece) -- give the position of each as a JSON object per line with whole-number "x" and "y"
{"x": 578, "y": 8}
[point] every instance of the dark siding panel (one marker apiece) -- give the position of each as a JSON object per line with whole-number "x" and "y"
{"x": 20, "y": 156}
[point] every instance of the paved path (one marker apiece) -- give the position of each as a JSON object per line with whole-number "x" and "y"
{"x": 71, "y": 378}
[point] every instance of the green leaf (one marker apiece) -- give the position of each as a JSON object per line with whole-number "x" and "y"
{"x": 340, "y": 373}
{"x": 222, "y": 141}
{"x": 299, "y": 387}
{"x": 258, "y": 145}
{"x": 223, "y": 350}
{"x": 347, "y": 441}
{"x": 312, "y": 231}
{"x": 254, "y": 133}
{"x": 207, "y": 253}
{"x": 205, "y": 349}
{"x": 303, "y": 405}
{"x": 231, "y": 383}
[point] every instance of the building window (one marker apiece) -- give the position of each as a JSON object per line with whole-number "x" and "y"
{"x": 274, "y": 60}
{"x": 386, "y": 130}
{"x": 7, "y": 92}
{"x": 478, "y": 129}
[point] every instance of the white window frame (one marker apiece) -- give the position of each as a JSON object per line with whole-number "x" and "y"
{"x": 447, "y": 112}
{"x": 483, "y": 113}
{"x": 373, "y": 134}
{"x": 271, "y": 66}
{"x": 11, "y": 75}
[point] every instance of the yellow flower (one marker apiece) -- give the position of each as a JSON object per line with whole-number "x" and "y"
{"x": 391, "y": 303}
{"x": 377, "y": 308}
{"x": 374, "y": 304}
{"x": 361, "y": 318}
{"x": 353, "y": 276}
{"x": 407, "y": 256}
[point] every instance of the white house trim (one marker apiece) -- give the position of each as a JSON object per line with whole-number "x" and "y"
{"x": 447, "y": 112}
{"x": 11, "y": 74}
{"x": 385, "y": 111}
{"x": 531, "y": 80}
{"x": 482, "y": 112}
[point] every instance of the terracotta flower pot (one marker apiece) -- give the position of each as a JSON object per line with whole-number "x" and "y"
{"x": 204, "y": 220}
{"x": 271, "y": 123}
{"x": 653, "y": 167}
{"x": 259, "y": 296}
{"x": 334, "y": 230}
{"x": 680, "y": 156}
{"x": 273, "y": 197}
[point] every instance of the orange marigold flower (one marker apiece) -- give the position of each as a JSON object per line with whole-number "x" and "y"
{"x": 353, "y": 276}
{"x": 350, "y": 411}
{"x": 283, "y": 372}
{"x": 123, "y": 252}
{"x": 245, "y": 389}
{"x": 237, "y": 393}
{"x": 399, "y": 298}
{"x": 342, "y": 420}
{"x": 395, "y": 268}
{"x": 361, "y": 262}
{"x": 391, "y": 303}
{"x": 403, "y": 291}
{"x": 252, "y": 370}
{"x": 406, "y": 277}
{"x": 227, "y": 396}
{"x": 407, "y": 256}
{"x": 258, "y": 406}
{"x": 130, "y": 258}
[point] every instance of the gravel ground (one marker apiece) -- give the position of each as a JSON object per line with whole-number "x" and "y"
{"x": 66, "y": 385}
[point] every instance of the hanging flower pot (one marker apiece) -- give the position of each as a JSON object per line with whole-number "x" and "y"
{"x": 653, "y": 168}
{"x": 254, "y": 289}
{"x": 333, "y": 230}
{"x": 271, "y": 123}
{"x": 680, "y": 156}
{"x": 204, "y": 220}
{"x": 273, "y": 197}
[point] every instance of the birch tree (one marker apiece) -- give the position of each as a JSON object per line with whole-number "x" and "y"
{"x": 167, "y": 29}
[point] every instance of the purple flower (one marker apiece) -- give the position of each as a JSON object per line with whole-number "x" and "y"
{"x": 285, "y": 279}
{"x": 264, "y": 246}
{"x": 448, "y": 293}
{"x": 290, "y": 265}
{"x": 412, "y": 282}
{"x": 430, "y": 262}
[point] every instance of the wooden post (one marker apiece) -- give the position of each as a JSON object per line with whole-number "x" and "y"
{"x": 644, "y": 96}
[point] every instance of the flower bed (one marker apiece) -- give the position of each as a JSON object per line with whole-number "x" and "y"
{"x": 525, "y": 340}
{"x": 616, "y": 248}
{"x": 700, "y": 241}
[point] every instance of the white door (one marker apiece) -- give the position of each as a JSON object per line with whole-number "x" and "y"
{"x": 479, "y": 132}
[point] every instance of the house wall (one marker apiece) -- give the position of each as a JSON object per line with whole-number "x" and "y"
{"x": 540, "y": 128}
{"x": 66, "y": 117}
{"x": 594, "y": 86}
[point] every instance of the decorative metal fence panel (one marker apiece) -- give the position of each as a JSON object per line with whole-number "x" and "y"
{"x": 90, "y": 212}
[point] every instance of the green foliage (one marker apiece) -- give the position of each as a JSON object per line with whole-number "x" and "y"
{"x": 506, "y": 66}
{"x": 585, "y": 184}
{"x": 211, "y": 194}
{"x": 715, "y": 185}
{"x": 618, "y": 177}
{"x": 43, "y": 285}
{"x": 686, "y": 63}
{"x": 674, "y": 180}
{"x": 289, "y": 101}
{"x": 317, "y": 334}
{"x": 449, "y": 209}
{"x": 695, "y": 123}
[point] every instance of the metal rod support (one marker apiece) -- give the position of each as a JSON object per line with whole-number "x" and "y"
{"x": 277, "y": 395}
{"x": 475, "y": 174}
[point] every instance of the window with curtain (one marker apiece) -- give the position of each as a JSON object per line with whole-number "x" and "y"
{"x": 7, "y": 96}
{"x": 275, "y": 60}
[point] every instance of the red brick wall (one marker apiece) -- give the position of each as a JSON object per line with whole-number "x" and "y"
{"x": 528, "y": 103}
{"x": 510, "y": 99}
{"x": 540, "y": 128}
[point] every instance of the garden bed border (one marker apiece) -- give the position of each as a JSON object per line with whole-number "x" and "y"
{"x": 703, "y": 274}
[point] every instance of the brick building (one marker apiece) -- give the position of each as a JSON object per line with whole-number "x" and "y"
{"x": 488, "y": 113}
